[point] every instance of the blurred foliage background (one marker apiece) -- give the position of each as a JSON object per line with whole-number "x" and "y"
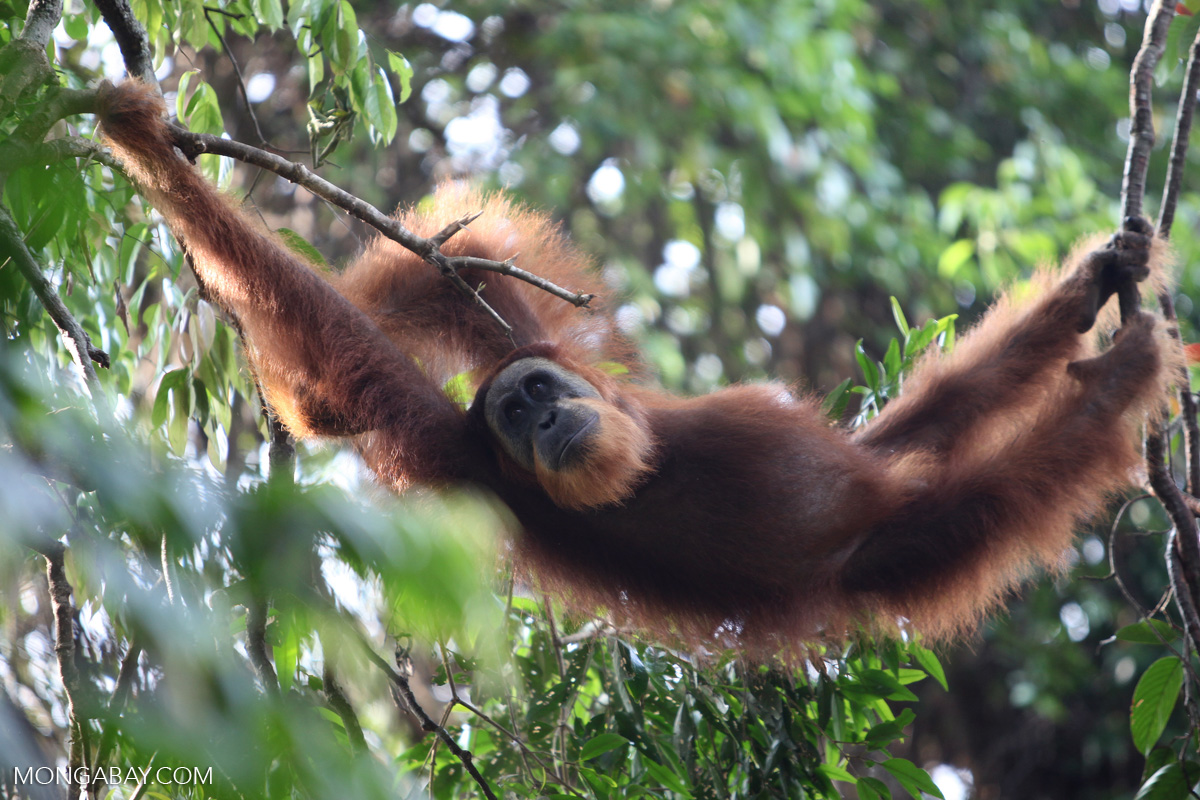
{"x": 756, "y": 180}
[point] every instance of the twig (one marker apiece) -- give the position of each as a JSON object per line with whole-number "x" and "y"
{"x": 1141, "y": 131}
{"x": 457, "y": 699}
{"x": 237, "y": 71}
{"x": 131, "y": 38}
{"x": 443, "y": 236}
{"x": 405, "y": 693}
{"x": 506, "y": 267}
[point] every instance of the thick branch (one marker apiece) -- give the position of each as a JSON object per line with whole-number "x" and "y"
{"x": 131, "y": 38}
{"x": 23, "y": 62}
{"x": 40, "y": 21}
{"x": 1141, "y": 132}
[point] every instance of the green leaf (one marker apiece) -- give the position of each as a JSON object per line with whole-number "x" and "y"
{"x": 270, "y": 12}
{"x": 873, "y": 789}
{"x": 381, "y": 94}
{"x": 836, "y": 773}
{"x": 898, "y": 315}
{"x": 836, "y": 401}
{"x": 341, "y": 35}
{"x": 883, "y": 734}
{"x": 1154, "y": 700}
{"x": 884, "y": 684}
{"x": 892, "y": 361}
{"x": 460, "y": 389}
{"x": 954, "y": 257}
{"x": 173, "y": 379}
{"x": 929, "y": 662}
{"x": 601, "y": 744}
{"x": 613, "y": 367}
{"x": 914, "y": 779}
{"x": 200, "y": 112}
{"x": 76, "y": 26}
{"x": 403, "y": 71}
{"x": 301, "y": 247}
{"x": 869, "y": 368}
{"x": 1171, "y": 782}
{"x": 287, "y": 655}
{"x": 667, "y": 778}
{"x": 1149, "y": 631}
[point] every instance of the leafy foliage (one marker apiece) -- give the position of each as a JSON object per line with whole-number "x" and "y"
{"x": 761, "y": 181}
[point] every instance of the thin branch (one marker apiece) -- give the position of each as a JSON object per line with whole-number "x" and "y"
{"x": 131, "y": 38}
{"x": 194, "y": 144}
{"x": 241, "y": 81}
{"x": 64, "y": 650}
{"x": 443, "y": 236}
{"x": 1179, "y": 148}
{"x": 256, "y": 644}
{"x": 116, "y": 705}
{"x": 1179, "y": 143}
{"x": 405, "y": 694}
{"x": 341, "y": 706}
{"x": 1134, "y": 185}
{"x": 1187, "y": 543}
{"x": 1141, "y": 132}
{"x": 506, "y": 268}
{"x": 79, "y": 345}
{"x": 457, "y": 699}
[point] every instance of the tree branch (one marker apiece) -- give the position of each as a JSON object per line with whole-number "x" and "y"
{"x": 64, "y": 650}
{"x": 12, "y": 249}
{"x": 341, "y": 706}
{"x": 409, "y": 702}
{"x": 1141, "y": 131}
{"x": 1186, "y": 574}
{"x": 194, "y": 144}
{"x": 256, "y": 644}
{"x": 131, "y": 38}
{"x": 23, "y": 62}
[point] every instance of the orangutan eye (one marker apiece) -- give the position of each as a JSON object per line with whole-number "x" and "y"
{"x": 538, "y": 389}
{"x": 514, "y": 412}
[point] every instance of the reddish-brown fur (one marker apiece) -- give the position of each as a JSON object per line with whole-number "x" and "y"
{"x": 749, "y": 517}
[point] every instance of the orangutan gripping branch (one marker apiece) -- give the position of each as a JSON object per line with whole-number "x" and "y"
{"x": 742, "y": 510}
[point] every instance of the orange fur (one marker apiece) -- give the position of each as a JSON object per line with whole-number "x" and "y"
{"x": 739, "y": 517}
{"x": 618, "y": 460}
